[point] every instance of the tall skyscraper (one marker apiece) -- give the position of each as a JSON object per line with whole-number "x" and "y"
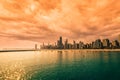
{"x": 59, "y": 43}
{"x": 66, "y": 44}
{"x": 106, "y": 43}
{"x": 61, "y": 40}
{"x": 81, "y": 45}
{"x": 74, "y": 44}
{"x": 97, "y": 44}
{"x": 115, "y": 44}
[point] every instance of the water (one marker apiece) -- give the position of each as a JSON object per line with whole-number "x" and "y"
{"x": 60, "y": 65}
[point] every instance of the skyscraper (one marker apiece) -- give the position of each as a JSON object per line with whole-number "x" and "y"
{"x": 106, "y": 43}
{"x": 81, "y": 45}
{"x": 59, "y": 43}
{"x": 74, "y": 43}
{"x": 60, "y": 40}
{"x": 97, "y": 44}
{"x": 115, "y": 44}
{"x": 66, "y": 44}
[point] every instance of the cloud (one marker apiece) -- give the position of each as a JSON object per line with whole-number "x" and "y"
{"x": 44, "y": 21}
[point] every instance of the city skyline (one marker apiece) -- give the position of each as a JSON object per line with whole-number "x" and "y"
{"x": 96, "y": 44}
{"x": 24, "y": 23}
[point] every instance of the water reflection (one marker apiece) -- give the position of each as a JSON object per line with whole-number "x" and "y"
{"x": 60, "y": 58}
{"x": 59, "y": 65}
{"x": 14, "y": 71}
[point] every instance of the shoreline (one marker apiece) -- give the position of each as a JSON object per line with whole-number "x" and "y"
{"x": 82, "y": 49}
{"x": 61, "y": 50}
{"x": 14, "y": 50}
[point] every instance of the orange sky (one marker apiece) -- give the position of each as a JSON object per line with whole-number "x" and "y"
{"x": 26, "y": 22}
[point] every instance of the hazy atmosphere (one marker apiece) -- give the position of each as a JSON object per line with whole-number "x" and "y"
{"x": 26, "y": 22}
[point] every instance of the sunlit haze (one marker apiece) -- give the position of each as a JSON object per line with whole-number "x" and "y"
{"x": 24, "y": 23}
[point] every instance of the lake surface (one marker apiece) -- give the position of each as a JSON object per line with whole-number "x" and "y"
{"x": 60, "y": 65}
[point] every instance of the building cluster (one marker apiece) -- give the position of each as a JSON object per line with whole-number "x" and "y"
{"x": 97, "y": 44}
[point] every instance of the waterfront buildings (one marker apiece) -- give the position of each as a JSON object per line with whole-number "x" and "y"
{"x": 59, "y": 43}
{"x": 97, "y": 44}
{"x": 106, "y": 43}
{"x": 66, "y": 46}
{"x": 81, "y": 45}
{"x": 115, "y": 44}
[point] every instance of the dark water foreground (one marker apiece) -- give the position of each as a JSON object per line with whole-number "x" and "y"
{"x": 60, "y": 65}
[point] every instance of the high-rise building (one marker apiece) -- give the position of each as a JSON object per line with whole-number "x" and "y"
{"x": 60, "y": 40}
{"x": 74, "y": 45}
{"x": 70, "y": 46}
{"x": 115, "y": 44}
{"x": 97, "y": 44}
{"x": 81, "y": 45}
{"x": 66, "y": 44}
{"x": 106, "y": 43}
{"x": 59, "y": 43}
{"x": 93, "y": 45}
